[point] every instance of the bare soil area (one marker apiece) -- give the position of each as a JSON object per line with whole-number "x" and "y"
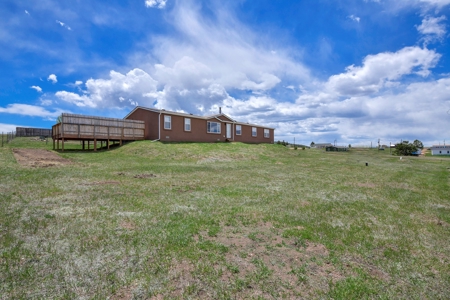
{"x": 39, "y": 158}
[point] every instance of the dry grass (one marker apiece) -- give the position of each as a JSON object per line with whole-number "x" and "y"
{"x": 220, "y": 221}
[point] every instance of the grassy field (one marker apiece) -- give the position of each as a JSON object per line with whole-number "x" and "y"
{"x": 224, "y": 221}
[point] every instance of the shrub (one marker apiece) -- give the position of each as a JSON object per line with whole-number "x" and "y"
{"x": 405, "y": 149}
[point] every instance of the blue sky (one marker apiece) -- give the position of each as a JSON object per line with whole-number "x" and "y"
{"x": 353, "y": 71}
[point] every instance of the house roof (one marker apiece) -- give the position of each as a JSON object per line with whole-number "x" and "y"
{"x": 220, "y": 117}
{"x": 440, "y": 146}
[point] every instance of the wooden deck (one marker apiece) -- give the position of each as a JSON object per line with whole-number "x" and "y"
{"x": 97, "y": 129}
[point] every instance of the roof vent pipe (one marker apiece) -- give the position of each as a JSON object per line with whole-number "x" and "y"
{"x": 220, "y": 110}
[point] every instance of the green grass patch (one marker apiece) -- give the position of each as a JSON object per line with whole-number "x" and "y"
{"x": 223, "y": 220}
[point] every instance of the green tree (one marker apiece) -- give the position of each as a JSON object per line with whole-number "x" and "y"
{"x": 418, "y": 144}
{"x": 312, "y": 144}
{"x": 405, "y": 149}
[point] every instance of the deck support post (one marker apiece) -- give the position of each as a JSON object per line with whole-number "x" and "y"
{"x": 95, "y": 144}
{"x": 62, "y": 144}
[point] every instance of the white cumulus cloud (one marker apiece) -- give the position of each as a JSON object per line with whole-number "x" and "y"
{"x": 52, "y": 78}
{"x": 155, "y": 3}
{"x": 37, "y": 88}
{"x": 382, "y": 68}
{"x": 108, "y": 92}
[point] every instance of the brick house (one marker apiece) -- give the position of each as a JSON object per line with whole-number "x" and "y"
{"x": 169, "y": 126}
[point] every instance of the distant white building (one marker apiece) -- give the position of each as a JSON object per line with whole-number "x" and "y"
{"x": 440, "y": 150}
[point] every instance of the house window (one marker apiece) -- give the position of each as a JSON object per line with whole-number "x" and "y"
{"x": 213, "y": 127}
{"x": 253, "y": 131}
{"x": 266, "y": 133}
{"x": 238, "y": 129}
{"x": 440, "y": 151}
{"x": 187, "y": 124}
{"x": 167, "y": 122}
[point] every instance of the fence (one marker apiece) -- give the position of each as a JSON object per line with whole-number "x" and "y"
{"x": 22, "y": 131}
{"x": 9, "y": 136}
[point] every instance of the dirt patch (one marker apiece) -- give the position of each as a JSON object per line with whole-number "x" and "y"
{"x": 371, "y": 269}
{"x": 39, "y": 158}
{"x": 260, "y": 253}
{"x": 129, "y": 225}
{"x": 124, "y": 293}
{"x": 423, "y": 152}
{"x": 144, "y": 176}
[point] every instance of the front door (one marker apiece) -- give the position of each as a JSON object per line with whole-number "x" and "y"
{"x": 228, "y": 131}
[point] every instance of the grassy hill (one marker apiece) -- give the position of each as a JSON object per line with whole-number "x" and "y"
{"x": 217, "y": 221}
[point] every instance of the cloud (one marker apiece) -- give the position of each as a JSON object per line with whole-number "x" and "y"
{"x": 155, "y": 3}
{"x": 46, "y": 102}
{"x": 63, "y": 25}
{"x": 197, "y": 67}
{"x": 26, "y": 11}
{"x": 354, "y": 18}
{"x": 419, "y": 111}
{"x": 210, "y": 58}
{"x": 78, "y": 82}
{"x": 52, "y": 78}
{"x": 108, "y": 92}
{"x": 381, "y": 69}
{"x": 214, "y": 60}
{"x": 436, "y": 3}
{"x": 4, "y": 128}
{"x": 37, "y": 88}
{"x": 30, "y": 110}
{"x": 432, "y": 29}
{"x": 76, "y": 99}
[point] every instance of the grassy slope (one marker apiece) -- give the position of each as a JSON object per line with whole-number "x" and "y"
{"x": 224, "y": 221}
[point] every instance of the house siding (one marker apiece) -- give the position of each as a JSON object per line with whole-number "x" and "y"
{"x": 150, "y": 119}
{"x": 198, "y": 131}
{"x": 246, "y": 136}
